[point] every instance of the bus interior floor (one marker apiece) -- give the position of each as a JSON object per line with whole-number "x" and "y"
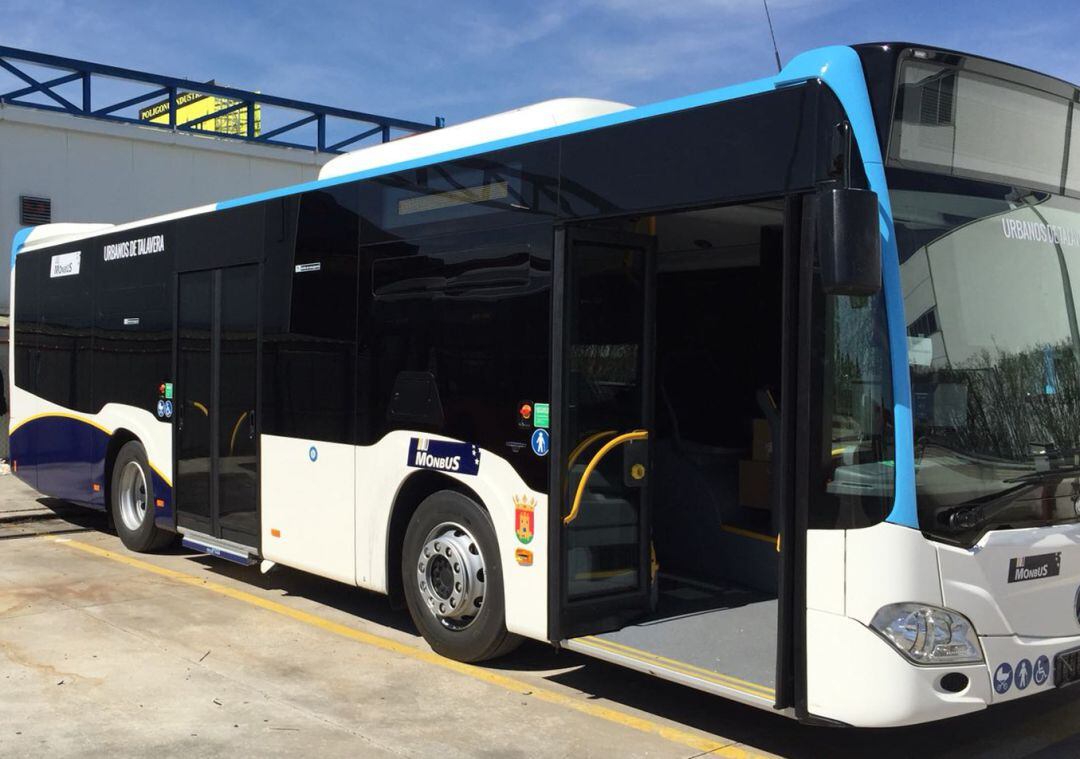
{"x": 728, "y": 629}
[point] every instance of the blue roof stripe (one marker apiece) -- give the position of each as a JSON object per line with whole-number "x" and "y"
{"x": 18, "y": 241}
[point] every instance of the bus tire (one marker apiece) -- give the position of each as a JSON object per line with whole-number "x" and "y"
{"x": 131, "y": 497}
{"x": 453, "y": 579}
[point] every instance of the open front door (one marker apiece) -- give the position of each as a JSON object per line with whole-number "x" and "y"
{"x": 603, "y": 463}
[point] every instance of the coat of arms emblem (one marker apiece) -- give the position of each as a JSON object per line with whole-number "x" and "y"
{"x": 524, "y": 511}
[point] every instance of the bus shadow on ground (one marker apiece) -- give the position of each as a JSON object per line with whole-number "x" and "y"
{"x": 1007, "y": 730}
{"x": 1028, "y": 727}
{"x": 77, "y": 516}
{"x": 357, "y": 602}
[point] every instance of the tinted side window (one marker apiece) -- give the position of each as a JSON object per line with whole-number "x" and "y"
{"x": 752, "y": 147}
{"x": 853, "y": 453}
{"x": 132, "y": 316}
{"x": 309, "y": 373}
{"x": 470, "y": 315}
{"x": 27, "y": 314}
{"x": 515, "y": 186}
{"x": 64, "y": 362}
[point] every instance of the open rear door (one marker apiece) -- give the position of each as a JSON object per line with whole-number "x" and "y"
{"x": 600, "y": 459}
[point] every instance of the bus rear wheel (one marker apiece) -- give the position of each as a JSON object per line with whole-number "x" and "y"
{"x": 132, "y": 497}
{"x": 453, "y": 579}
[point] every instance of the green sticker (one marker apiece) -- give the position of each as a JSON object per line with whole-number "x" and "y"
{"x": 168, "y": 391}
{"x": 542, "y": 415}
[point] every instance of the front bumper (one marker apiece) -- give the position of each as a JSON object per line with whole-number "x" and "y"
{"x": 856, "y": 677}
{"x": 1020, "y": 666}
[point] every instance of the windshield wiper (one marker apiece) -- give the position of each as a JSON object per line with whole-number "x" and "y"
{"x": 1062, "y": 473}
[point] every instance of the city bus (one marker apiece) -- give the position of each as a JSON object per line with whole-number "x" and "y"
{"x": 772, "y": 391}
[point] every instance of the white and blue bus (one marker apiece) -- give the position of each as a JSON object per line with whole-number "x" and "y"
{"x": 773, "y": 391}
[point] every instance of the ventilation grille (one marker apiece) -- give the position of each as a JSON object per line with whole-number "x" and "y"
{"x": 936, "y": 104}
{"x": 34, "y": 211}
{"x": 925, "y": 325}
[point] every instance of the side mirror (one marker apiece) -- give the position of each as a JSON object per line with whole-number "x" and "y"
{"x": 849, "y": 241}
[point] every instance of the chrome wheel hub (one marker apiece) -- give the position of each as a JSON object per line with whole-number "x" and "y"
{"x": 451, "y": 575}
{"x": 132, "y": 495}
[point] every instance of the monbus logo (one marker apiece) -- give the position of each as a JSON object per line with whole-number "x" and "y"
{"x": 444, "y": 455}
{"x": 1034, "y": 567}
{"x": 65, "y": 264}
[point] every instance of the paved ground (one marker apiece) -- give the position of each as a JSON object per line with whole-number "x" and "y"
{"x": 104, "y": 652}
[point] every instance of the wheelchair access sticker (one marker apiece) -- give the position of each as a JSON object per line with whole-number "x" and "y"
{"x": 1023, "y": 674}
{"x": 1042, "y": 670}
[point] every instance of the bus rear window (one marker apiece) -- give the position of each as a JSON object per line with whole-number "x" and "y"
{"x": 963, "y": 123}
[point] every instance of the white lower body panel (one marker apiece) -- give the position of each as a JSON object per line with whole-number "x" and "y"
{"x": 308, "y": 507}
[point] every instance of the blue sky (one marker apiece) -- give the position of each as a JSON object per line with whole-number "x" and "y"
{"x": 466, "y": 59}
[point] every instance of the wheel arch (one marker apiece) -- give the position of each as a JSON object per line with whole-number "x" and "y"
{"x": 120, "y": 437}
{"x": 414, "y": 489}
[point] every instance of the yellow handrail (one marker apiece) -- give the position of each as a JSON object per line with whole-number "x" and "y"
{"x": 626, "y": 437}
{"x": 235, "y": 429}
{"x": 580, "y": 447}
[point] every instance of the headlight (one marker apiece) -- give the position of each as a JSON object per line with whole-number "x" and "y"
{"x": 927, "y": 634}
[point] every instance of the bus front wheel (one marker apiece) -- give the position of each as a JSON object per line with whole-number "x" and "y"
{"x": 453, "y": 579}
{"x": 132, "y": 500}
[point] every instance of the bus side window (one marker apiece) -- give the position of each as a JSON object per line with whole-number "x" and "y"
{"x": 309, "y": 329}
{"x": 856, "y": 467}
{"x": 27, "y": 314}
{"x": 64, "y": 361}
{"x": 468, "y": 313}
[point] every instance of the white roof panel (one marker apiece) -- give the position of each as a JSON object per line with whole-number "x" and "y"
{"x": 531, "y": 118}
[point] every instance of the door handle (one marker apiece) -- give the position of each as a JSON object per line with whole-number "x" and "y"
{"x": 615, "y": 442}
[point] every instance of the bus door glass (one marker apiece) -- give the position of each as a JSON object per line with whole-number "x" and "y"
{"x": 607, "y": 405}
{"x": 216, "y": 461}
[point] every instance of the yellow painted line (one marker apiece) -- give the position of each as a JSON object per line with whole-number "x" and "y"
{"x": 673, "y": 734}
{"x": 745, "y": 686}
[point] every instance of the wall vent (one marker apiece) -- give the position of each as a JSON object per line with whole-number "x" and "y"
{"x": 34, "y": 211}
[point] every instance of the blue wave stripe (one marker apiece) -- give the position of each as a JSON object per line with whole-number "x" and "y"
{"x": 63, "y": 457}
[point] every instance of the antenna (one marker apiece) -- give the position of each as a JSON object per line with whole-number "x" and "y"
{"x": 776, "y": 51}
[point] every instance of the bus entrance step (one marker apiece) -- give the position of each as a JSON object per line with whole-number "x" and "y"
{"x": 221, "y": 548}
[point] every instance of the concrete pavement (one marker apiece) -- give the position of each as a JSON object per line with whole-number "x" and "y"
{"x": 104, "y": 652}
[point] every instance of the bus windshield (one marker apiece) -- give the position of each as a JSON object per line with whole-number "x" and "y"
{"x": 990, "y": 280}
{"x": 954, "y": 120}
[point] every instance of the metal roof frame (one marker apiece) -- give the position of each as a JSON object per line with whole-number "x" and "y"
{"x": 13, "y": 60}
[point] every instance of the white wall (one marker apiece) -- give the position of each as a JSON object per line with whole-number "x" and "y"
{"x": 95, "y": 171}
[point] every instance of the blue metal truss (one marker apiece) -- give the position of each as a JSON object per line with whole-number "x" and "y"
{"x": 168, "y": 88}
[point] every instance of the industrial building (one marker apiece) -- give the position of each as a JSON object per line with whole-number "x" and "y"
{"x": 87, "y": 142}
{"x": 90, "y": 142}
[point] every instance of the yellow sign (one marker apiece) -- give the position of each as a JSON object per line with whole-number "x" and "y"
{"x": 191, "y": 106}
